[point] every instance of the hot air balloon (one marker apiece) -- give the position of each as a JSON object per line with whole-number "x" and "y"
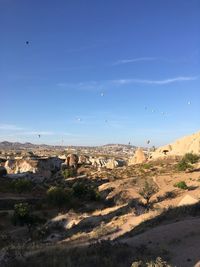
{"x": 78, "y": 119}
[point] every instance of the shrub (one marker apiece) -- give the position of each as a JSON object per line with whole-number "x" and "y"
{"x": 183, "y": 165}
{"x": 79, "y": 189}
{"x": 191, "y": 158}
{"x": 68, "y": 173}
{"x": 93, "y": 194}
{"x": 186, "y": 161}
{"x": 147, "y": 166}
{"x": 170, "y": 194}
{"x": 22, "y": 216}
{"x": 157, "y": 263}
{"x": 21, "y": 185}
{"x": 148, "y": 191}
{"x": 84, "y": 191}
{"x": 57, "y": 196}
{"x": 181, "y": 185}
{"x": 167, "y": 195}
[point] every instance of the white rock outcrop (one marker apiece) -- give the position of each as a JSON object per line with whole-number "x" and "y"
{"x": 39, "y": 166}
{"x": 187, "y": 144}
{"x": 138, "y": 157}
{"x": 109, "y": 163}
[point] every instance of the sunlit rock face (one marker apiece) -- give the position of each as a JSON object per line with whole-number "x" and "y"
{"x": 102, "y": 162}
{"x": 72, "y": 160}
{"x": 139, "y": 157}
{"x": 40, "y": 166}
{"x": 187, "y": 144}
{"x": 83, "y": 159}
{"x": 114, "y": 163}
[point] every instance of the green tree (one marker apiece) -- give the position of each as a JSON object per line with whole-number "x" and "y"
{"x": 58, "y": 196}
{"x": 82, "y": 190}
{"x": 22, "y": 215}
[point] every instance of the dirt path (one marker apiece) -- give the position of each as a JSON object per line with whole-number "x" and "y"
{"x": 180, "y": 239}
{"x": 131, "y": 223}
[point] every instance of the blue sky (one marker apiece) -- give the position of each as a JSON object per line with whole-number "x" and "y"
{"x": 97, "y": 72}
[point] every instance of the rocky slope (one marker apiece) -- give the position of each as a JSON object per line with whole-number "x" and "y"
{"x": 187, "y": 144}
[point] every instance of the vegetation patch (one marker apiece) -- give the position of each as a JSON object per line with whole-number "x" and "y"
{"x": 67, "y": 173}
{"x": 23, "y": 217}
{"x": 191, "y": 158}
{"x": 21, "y": 186}
{"x": 147, "y": 191}
{"x": 159, "y": 262}
{"x": 187, "y": 161}
{"x": 181, "y": 185}
{"x": 58, "y": 196}
{"x": 184, "y": 165}
{"x": 85, "y": 191}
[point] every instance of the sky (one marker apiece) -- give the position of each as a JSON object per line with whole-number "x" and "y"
{"x": 93, "y": 72}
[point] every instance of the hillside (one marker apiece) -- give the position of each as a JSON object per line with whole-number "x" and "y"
{"x": 187, "y": 144}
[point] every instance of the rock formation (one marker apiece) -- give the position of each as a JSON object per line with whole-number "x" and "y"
{"x": 187, "y": 144}
{"x": 101, "y": 162}
{"x": 72, "y": 160}
{"x": 139, "y": 157}
{"x": 114, "y": 163}
{"x": 39, "y": 166}
{"x": 84, "y": 159}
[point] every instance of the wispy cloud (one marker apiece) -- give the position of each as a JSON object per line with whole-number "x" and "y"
{"x": 158, "y": 82}
{"x": 10, "y": 127}
{"x": 96, "y": 86}
{"x": 132, "y": 60}
{"x": 11, "y": 130}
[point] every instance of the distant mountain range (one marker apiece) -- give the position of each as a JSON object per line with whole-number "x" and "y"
{"x": 5, "y": 145}
{"x": 18, "y": 146}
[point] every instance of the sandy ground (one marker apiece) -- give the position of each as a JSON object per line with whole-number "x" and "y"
{"x": 180, "y": 239}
